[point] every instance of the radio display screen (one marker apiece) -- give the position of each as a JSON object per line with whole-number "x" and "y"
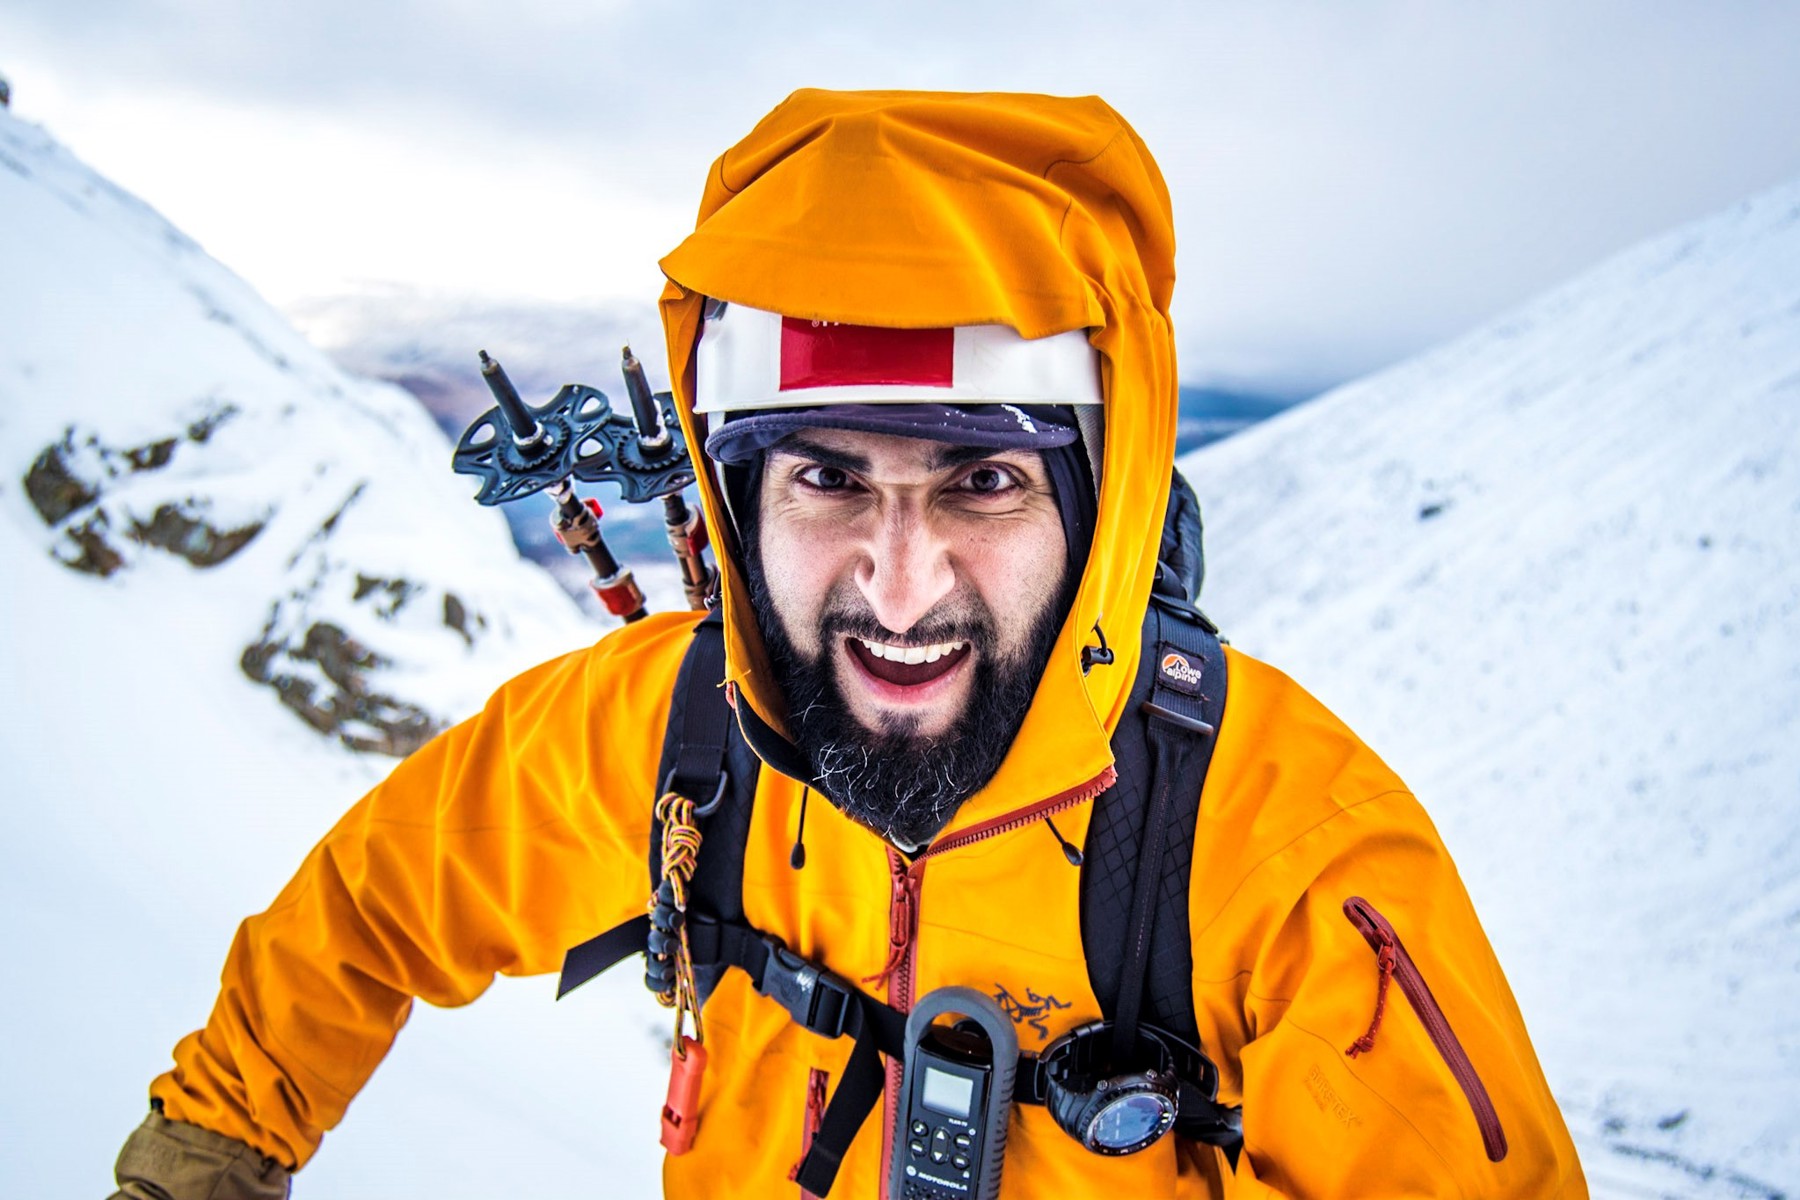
{"x": 947, "y": 1093}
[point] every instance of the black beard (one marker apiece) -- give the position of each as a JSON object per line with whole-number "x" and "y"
{"x": 903, "y": 786}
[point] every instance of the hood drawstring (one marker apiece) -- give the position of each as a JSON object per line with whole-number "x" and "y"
{"x": 797, "y": 856}
{"x": 1069, "y": 852}
{"x": 1100, "y": 656}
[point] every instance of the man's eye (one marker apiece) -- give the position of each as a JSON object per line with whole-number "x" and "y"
{"x": 987, "y": 480}
{"x": 825, "y": 479}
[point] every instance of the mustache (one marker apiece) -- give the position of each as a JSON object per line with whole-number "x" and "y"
{"x": 953, "y": 620}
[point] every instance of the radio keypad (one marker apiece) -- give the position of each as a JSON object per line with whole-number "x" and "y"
{"x": 938, "y": 1144}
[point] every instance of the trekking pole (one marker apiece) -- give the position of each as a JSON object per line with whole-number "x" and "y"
{"x": 576, "y": 522}
{"x": 686, "y": 529}
{"x": 517, "y": 449}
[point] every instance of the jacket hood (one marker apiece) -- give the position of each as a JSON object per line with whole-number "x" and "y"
{"x": 923, "y": 210}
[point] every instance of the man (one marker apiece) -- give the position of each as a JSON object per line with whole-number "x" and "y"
{"x": 924, "y": 340}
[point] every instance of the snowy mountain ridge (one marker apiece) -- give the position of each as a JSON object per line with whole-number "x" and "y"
{"x": 1549, "y": 570}
{"x": 155, "y": 407}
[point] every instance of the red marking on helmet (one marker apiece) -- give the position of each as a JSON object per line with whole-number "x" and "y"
{"x": 824, "y": 354}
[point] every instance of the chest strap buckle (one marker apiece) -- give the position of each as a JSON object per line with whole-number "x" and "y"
{"x": 817, "y": 999}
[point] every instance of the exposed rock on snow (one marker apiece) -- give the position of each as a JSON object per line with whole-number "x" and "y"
{"x": 156, "y": 408}
{"x": 90, "y": 494}
{"x": 325, "y": 679}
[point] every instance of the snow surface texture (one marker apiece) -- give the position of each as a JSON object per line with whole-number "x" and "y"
{"x": 1549, "y": 571}
{"x": 184, "y": 479}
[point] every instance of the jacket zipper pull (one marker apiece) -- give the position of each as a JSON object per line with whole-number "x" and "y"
{"x": 681, "y": 1110}
{"x": 1385, "y": 959}
{"x": 900, "y": 922}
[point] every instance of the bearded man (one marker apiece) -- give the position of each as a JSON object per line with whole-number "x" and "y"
{"x": 923, "y": 341}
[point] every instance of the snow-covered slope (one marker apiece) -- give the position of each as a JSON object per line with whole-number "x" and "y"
{"x": 1552, "y": 572}
{"x": 233, "y": 577}
{"x": 156, "y": 410}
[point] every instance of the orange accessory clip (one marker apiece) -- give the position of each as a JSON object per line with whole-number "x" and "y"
{"x": 681, "y": 1111}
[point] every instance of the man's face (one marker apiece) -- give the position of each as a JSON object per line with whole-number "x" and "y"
{"x": 908, "y": 592}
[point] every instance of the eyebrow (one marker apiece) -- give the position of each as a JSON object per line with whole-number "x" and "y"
{"x": 947, "y": 456}
{"x": 956, "y": 456}
{"x": 825, "y": 456}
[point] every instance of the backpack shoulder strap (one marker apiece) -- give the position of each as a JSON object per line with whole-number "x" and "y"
{"x": 1134, "y": 926}
{"x": 704, "y": 757}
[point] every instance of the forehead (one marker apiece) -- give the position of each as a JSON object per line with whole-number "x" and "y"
{"x": 885, "y": 453}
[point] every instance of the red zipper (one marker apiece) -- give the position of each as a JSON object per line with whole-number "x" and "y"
{"x": 903, "y": 907}
{"x": 1395, "y": 961}
{"x": 809, "y": 1125}
{"x": 903, "y": 922}
{"x": 902, "y": 911}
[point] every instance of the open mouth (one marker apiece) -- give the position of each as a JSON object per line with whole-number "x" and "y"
{"x": 907, "y": 666}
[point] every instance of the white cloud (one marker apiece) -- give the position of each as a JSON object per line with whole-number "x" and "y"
{"x": 1351, "y": 182}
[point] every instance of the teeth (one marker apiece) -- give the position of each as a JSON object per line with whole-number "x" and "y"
{"x": 911, "y": 654}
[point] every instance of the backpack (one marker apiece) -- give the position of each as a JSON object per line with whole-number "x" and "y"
{"x": 1134, "y": 922}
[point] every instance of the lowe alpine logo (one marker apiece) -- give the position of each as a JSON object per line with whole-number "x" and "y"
{"x": 1176, "y": 671}
{"x": 1180, "y": 670}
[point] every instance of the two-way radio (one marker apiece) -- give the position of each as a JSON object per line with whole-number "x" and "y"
{"x": 956, "y": 1098}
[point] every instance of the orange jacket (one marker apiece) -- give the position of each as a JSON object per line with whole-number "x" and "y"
{"x": 523, "y": 830}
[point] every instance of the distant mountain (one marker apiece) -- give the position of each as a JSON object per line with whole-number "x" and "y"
{"x": 1552, "y": 571}
{"x": 427, "y": 343}
{"x": 1210, "y": 415}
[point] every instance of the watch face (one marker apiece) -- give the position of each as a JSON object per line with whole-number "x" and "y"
{"x": 1131, "y": 1122}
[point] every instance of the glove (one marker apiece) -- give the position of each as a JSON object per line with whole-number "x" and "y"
{"x": 173, "y": 1160}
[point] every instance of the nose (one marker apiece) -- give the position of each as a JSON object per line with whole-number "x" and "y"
{"x": 906, "y": 568}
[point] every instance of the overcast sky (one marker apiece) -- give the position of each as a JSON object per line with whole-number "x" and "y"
{"x": 1353, "y": 181}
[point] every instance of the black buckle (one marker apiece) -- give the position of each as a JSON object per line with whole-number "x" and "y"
{"x": 813, "y": 996}
{"x": 1031, "y": 1083}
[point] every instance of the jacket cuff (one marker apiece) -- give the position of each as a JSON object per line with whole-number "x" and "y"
{"x": 173, "y": 1160}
